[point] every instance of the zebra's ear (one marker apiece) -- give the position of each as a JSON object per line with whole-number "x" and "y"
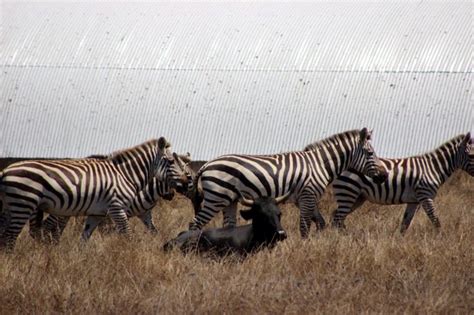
{"x": 247, "y": 214}
{"x": 163, "y": 143}
{"x": 467, "y": 139}
{"x": 185, "y": 158}
{"x": 365, "y": 135}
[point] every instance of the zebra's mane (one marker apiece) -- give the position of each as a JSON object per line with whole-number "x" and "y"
{"x": 448, "y": 145}
{"x": 98, "y": 156}
{"x": 124, "y": 155}
{"x": 331, "y": 140}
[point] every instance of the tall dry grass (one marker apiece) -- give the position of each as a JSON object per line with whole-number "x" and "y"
{"x": 369, "y": 268}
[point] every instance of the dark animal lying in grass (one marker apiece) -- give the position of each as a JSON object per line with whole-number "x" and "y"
{"x": 264, "y": 231}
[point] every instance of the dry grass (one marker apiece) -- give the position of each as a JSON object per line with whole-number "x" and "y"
{"x": 369, "y": 268}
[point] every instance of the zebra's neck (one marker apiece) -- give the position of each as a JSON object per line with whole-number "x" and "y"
{"x": 330, "y": 157}
{"x": 146, "y": 198}
{"x": 137, "y": 164}
{"x": 444, "y": 160}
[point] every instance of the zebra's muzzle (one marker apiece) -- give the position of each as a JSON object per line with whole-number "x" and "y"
{"x": 282, "y": 235}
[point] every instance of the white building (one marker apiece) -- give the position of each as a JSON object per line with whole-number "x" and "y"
{"x": 215, "y": 78}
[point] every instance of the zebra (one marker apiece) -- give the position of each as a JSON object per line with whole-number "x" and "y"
{"x": 303, "y": 173}
{"x": 78, "y": 187}
{"x": 141, "y": 206}
{"x": 412, "y": 180}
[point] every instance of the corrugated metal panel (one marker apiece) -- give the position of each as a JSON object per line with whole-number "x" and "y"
{"x": 242, "y": 77}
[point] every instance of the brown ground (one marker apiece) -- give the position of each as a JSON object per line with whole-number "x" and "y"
{"x": 369, "y": 268}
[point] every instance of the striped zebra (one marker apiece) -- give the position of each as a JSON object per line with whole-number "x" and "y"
{"x": 79, "y": 187}
{"x": 413, "y": 180}
{"x": 141, "y": 207}
{"x": 303, "y": 173}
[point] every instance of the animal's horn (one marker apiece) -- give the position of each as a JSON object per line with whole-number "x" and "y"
{"x": 282, "y": 198}
{"x": 245, "y": 201}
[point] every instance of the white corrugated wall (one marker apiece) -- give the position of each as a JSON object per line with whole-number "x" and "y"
{"x": 215, "y": 78}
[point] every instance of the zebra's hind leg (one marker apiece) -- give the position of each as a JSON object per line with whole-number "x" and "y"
{"x": 36, "y": 223}
{"x": 18, "y": 217}
{"x": 209, "y": 209}
{"x": 429, "y": 208}
{"x": 408, "y": 216}
{"x": 345, "y": 207}
{"x": 230, "y": 215}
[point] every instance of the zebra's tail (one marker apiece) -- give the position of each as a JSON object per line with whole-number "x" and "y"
{"x": 196, "y": 193}
{"x": 2, "y": 186}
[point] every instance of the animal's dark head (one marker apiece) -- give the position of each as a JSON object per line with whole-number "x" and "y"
{"x": 266, "y": 217}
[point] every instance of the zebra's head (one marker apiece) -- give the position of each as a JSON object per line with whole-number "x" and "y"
{"x": 365, "y": 160}
{"x": 466, "y": 154}
{"x": 163, "y": 189}
{"x": 171, "y": 167}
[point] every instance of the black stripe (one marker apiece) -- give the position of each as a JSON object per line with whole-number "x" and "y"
{"x": 28, "y": 175}
{"x": 23, "y": 187}
{"x": 402, "y": 187}
{"x": 221, "y": 183}
{"x": 342, "y": 188}
{"x": 212, "y": 192}
{"x": 23, "y": 197}
{"x": 266, "y": 165}
{"x": 236, "y": 173}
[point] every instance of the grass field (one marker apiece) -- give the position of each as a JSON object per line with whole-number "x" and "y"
{"x": 369, "y": 268}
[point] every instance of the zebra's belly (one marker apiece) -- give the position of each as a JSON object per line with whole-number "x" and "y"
{"x": 99, "y": 207}
{"x": 385, "y": 198}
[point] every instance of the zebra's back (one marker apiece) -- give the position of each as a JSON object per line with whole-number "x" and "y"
{"x": 254, "y": 175}
{"x": 398, "y": 187}
{"x": 63, "y": 187}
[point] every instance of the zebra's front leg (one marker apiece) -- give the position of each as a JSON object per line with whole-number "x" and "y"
{"x": 408, "y": 216}
{"x": 429, "y": 208}
{"x": 120, "y": 219}
{"x": 53, "y": 228}
{"x": 318, "y": 219}
{"x": 35, "y": 223}
{"x": 308, "y": 206}
{"x": 147, "y": 220}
